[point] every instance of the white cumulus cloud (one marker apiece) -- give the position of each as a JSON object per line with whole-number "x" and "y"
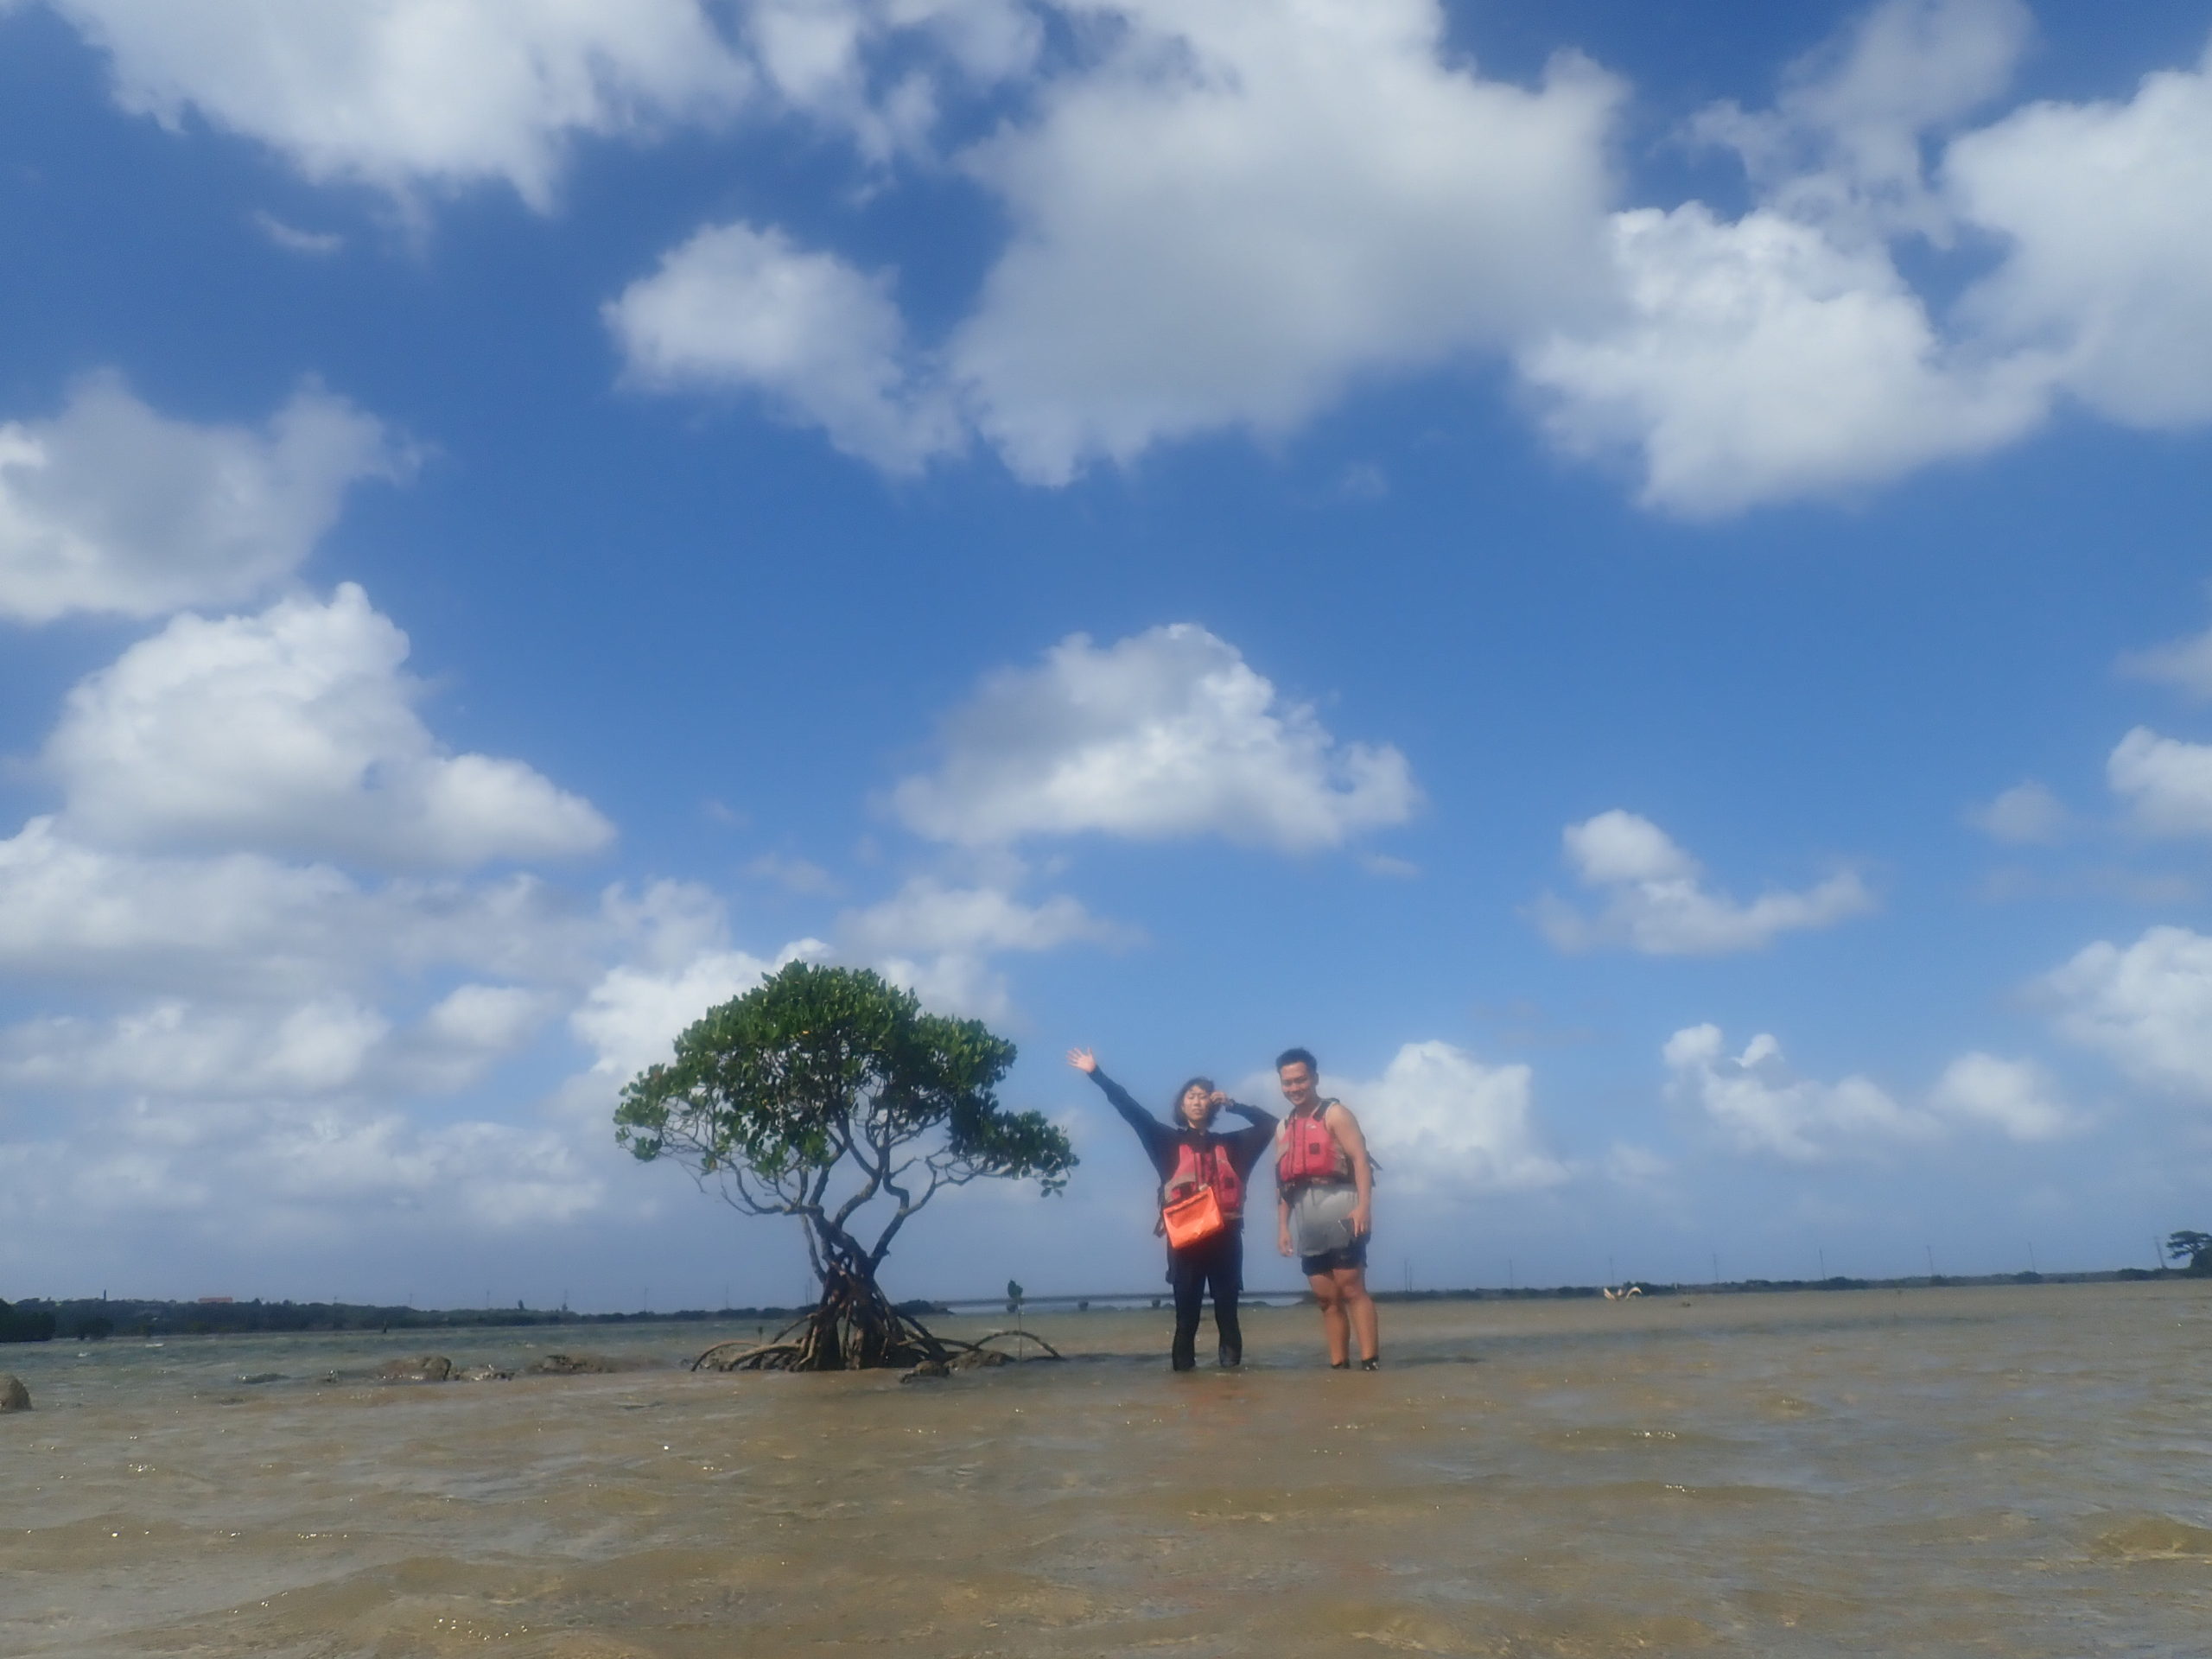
{"x": 1760, "y": 1106}
{"x": 1844, "y": 146}
{"x": 2107, "y": 210}
{"x": 2165, "y": 782}
{"x": 2184, "y": 663}
{"x": 939, "y": 939}
{"x": 276, "y": 1173}
{"x": 83, "y": 915}
{"x": 1784, "y": 354}
{"x": 175, "y": 1046}
{"x": 1654, "y": 897}
{"x": 879, "y": 69}
{"x": 928, "y": 915}
{"x": 1236, "y": 211}
{"x": 821, "y": 342}
{"x": 2146, "y": 1006}
{"x": 1759, "y": 360}
{"x": 1442, "y": 1120}
{"x": 1226, "y": 215}
{"x": 1166, "y": 733}
{"x": 112, "y": 507}
{"x": 2018, "y": 1098}
{"x": 399, "y": 93}
{"x": 633, "y": 1016}
{"x": 293, "y": 732}
{"x": 2026, "y": 815}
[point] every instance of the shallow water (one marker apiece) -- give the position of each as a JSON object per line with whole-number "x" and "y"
{"x": 2023, "y": 1472}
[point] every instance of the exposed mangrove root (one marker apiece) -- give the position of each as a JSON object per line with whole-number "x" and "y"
{"x": 853, "y": 1327}
{"x": 1050, "y": 1352}
{"x": 762, "y": 1356}
{"x": 899, "y": 1341}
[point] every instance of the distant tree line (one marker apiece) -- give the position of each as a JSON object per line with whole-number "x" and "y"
{"x": 93, "y": 1320}
{"x": 26, "y": 1323}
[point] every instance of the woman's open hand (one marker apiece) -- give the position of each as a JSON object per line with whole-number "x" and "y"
{"x": 1083, "y": 1060}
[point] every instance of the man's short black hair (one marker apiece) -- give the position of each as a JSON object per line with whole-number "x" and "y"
{"x": 1299, "y": 1056}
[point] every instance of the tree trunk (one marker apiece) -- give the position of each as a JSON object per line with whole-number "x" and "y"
{"x": 854, "y": 1326}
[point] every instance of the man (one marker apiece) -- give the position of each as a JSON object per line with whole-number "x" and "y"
{"x": 1325, "y": 1192}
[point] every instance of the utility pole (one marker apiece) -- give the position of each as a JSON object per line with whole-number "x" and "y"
{"x": 1931, "y": 1249}
{"x": 2033, "y": 1267}
{"x": 1509, "y": 1273}
{"x": 1824, "y": 1264}
{"x": 1716, "y": 1269}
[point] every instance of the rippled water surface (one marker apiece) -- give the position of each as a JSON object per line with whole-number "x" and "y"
{"x": 2019, "y": 1471}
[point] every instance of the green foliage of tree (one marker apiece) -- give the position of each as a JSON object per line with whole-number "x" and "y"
{"x": 2196, "y": 1246}
{"x": 827, "y": 1094}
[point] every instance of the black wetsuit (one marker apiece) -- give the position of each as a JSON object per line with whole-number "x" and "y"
{"x": 1216, "y": 1264}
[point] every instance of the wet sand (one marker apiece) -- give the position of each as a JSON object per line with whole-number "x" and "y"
{"x": 2024, "y": 1472}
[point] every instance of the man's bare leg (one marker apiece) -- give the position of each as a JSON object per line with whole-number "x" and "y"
{"x": 1357, "y": 1307}
{"x": 1334, "y": 1325}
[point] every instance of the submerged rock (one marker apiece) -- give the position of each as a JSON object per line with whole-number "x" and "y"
{"x": 486, "y": 1374}
{"x": 928, "y": 1370}
{"x": 575, "y": 1365}
{"x": 976, "y": 1358}
{"x": 429, "y": 1368}
{"x": 14, "y": 1396}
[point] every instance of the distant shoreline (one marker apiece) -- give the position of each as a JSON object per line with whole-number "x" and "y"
{"x": 93, "y": 1318}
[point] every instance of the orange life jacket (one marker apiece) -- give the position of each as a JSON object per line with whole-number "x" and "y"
{"x": 1213, "y": 1169}
{"x": 1310, "y": 1152}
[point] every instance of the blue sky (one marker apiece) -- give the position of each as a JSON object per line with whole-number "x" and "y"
{"x": 1633, "y": 576}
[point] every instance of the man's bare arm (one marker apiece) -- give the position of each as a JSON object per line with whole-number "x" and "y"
{"x": 1345, "y": 1128}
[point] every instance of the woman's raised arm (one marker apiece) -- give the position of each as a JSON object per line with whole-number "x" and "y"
{"x": 1149, "y": 1128}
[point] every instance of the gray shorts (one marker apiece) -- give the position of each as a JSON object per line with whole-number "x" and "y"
{"x": 1320, "y": 1218}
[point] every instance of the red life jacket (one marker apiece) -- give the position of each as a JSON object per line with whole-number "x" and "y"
{"x": 1310, "y": 1152}
{"x": 1215, "y": 1170}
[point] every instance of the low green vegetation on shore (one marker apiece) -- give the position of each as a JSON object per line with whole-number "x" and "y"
{"x": 93, "y": 1318}
{"x": 28, "y": 1322}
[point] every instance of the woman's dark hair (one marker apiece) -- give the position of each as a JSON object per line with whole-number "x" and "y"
{"x": 1206, "y": 1083}
{"x": 1299, "y": 1056}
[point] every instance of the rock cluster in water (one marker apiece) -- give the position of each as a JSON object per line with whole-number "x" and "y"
{"x": 429, "y": 1368}
{"x": 574, "y": 1365}
{"x": 436, "y": 1368}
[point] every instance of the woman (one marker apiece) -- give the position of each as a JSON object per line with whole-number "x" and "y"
{"x": 1188, "y": 1156}
{"x": 1325, "y": 1207}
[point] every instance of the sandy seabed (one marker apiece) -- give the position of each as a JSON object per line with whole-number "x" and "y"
{"x": 2018, "y": 1472}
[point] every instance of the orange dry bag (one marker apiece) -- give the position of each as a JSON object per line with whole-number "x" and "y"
{"x": 1193, "y": 1220}
{"x": 1213, "y": 1194}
